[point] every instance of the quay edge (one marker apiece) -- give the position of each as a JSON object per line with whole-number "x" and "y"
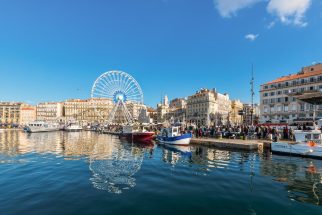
{"x": 249, "y": 145}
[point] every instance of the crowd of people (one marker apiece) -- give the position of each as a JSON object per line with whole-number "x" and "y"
{"x": 244, "y": 132}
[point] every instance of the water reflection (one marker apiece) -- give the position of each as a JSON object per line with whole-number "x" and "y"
{"x": 302, "y": 177}
{"x": 114, "y": 171}
{"x": 113, "y": 165}
{"x": 173, "y": 154}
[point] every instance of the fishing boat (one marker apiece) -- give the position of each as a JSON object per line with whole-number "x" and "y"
{"x": 39, "y": 126}
{"x": 136, "y": 133}
{"x": 73, "y": 127}
{"x": 306, "y": 144}
{"x": 172, "y": 136}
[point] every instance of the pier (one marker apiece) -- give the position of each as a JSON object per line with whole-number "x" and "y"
{"x": 237, "y": 144}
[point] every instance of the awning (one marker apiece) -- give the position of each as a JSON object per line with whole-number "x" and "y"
{"x": 314, "y": 97}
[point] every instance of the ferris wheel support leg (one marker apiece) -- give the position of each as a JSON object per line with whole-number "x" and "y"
{"x": 112, "y": 114}
{"x": 127, "y": 114}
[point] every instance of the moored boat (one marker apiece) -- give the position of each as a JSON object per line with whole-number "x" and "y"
{"x": 307, "y": 144}
{"x": 73, "y": 127}
{"x": 136, "y": 133}
{"x": 172, "y": 136}
{"x": 39, "y": 126}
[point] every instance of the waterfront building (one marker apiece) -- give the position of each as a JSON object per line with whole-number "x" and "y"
{"x": 163, "y": 109}
{"x": 277, "y": 101}
{"x": 88, "y": 110}
{"x": 50, "y": 111}
{"x": 177, "y": 110}
{"x": 135, "y": 109}
{"x": 251, "y": 114}
{"x": 153, "y": 115}
{"x": 10, "y": 113}
{"x": 173, "y": 111}
{"x": 208, "y": 107}
{"x": 144, "y": 116}
{"x": 236, "y": 108}
{"x": 28, "y": 113}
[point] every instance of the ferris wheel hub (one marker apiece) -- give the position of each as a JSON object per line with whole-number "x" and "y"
{"x": 119, "y": 96}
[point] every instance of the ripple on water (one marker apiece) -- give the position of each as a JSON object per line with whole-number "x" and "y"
{"x": 88, "y": 172}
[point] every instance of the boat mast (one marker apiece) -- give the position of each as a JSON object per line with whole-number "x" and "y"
{"x": 252, "y": 95}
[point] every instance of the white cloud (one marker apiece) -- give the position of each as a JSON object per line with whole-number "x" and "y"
{"x": 227, "y": 8}
{"x": 271, "y": 25}
{"x": 252, "y": 37}
{"x": 290, "y": 11}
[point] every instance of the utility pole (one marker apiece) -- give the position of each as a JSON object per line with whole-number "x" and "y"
{"x": 252, "y": 95}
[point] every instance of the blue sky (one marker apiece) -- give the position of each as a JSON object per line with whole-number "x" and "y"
{"x": 54, "y": 50}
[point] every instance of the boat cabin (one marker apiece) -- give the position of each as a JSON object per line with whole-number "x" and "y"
{"x": 38, "y": 124}
{"x": 305, "y": 136}
{"x": 171, "y": 132}
{"x": 127, "y": 129}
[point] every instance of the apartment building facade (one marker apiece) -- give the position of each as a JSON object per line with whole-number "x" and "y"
{"x": 278, "y": 103}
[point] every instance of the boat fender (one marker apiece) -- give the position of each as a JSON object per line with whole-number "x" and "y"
{"x": 311, "y": 144}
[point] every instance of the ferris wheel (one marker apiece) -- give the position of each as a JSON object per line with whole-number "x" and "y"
{"x": 122, "y": 89}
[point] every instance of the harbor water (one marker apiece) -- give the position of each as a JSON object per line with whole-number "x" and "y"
{"x": 90, "y": 173}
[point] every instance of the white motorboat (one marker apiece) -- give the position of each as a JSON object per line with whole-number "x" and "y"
{"x": 307, "y": 144}
{"x": 39, "y": 126}
{"x": 172, "y": 136}
{"x": 73, "y": 127}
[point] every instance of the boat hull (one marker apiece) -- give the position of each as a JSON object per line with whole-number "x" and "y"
{"x": 140, "y": 137}
{"x": 183, "y": 140}
{"x": 73, "y": 130}
{"x": 39, "y": 130}
{"x": 299, "y": 149}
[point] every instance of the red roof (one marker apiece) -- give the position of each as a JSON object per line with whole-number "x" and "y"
{"x": 300, "y": 75}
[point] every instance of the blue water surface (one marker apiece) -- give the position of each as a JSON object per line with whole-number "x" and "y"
{"x": 90, "y": 173}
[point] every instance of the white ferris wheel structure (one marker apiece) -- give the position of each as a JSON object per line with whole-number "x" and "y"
{"x": 122, "y": 89}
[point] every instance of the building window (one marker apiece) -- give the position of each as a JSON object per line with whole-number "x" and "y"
{"x": 286, "y": 108}
{"x": 265, "y": 109}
